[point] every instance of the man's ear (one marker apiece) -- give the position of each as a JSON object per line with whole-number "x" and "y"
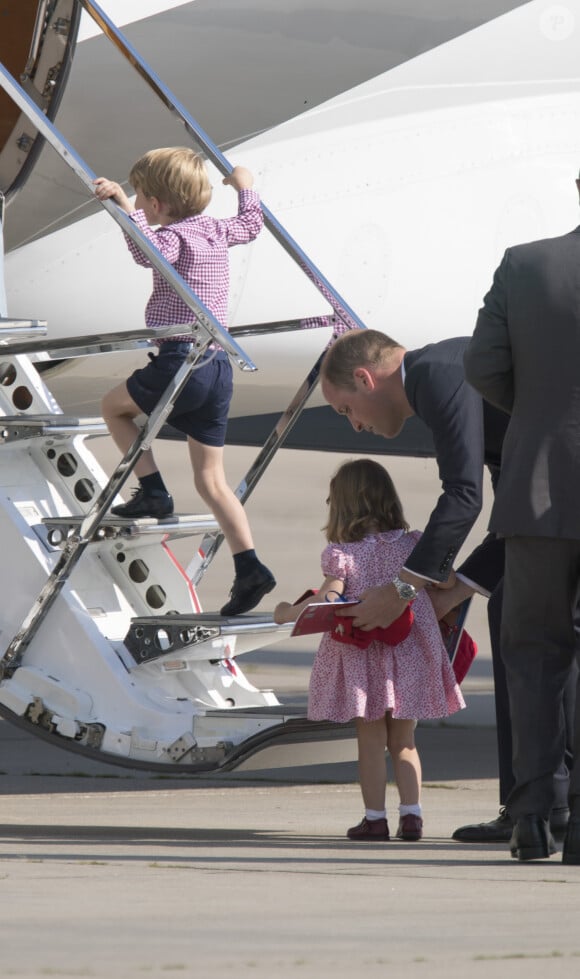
{"x": 365, "y": 378}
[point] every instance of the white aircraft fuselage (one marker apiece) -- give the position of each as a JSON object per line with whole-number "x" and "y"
{"x": 404, "y": 191}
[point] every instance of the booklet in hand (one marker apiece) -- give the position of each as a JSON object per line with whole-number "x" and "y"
{"x": 318, "y": 617}
{"x": 460, "y": 646}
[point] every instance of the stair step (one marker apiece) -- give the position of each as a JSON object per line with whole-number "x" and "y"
{"x": 178, "y": 525}
{"x": 85, "y": 345}
{"x": 16, "y": 428}
{"x": 21, "y": 328}
{"x": 152, "y": 636}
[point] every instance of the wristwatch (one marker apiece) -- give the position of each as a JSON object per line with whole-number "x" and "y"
{"x": 404, "y": 589}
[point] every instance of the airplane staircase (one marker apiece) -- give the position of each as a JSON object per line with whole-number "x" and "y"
{"x": 115, "y": 658}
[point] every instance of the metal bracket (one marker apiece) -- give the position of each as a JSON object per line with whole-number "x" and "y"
{"x": 61, "y": 529}
{"x": 187, "y": 745}
{"x": 147, "y": 641}
{"x": 179, "y": 748}
{"x": 150, "y": 637}
{"x": 91, "y": 735}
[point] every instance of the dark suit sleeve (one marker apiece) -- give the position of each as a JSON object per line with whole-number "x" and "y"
{"x": 488, "y": 358}
{"x": 454, "y": 413}
{"x": 485, "y": 564}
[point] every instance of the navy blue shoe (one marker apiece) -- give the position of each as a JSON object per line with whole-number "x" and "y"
{"x": 142, "y": 504}
{"x": 248, "y": 590}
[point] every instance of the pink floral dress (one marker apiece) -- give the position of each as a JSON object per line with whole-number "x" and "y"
{"x": 413, "y": 679}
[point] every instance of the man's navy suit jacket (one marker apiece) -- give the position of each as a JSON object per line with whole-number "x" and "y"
{"x": 468, "y": 435}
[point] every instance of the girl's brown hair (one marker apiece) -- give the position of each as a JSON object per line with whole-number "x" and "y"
{"x": 362, "y": 500}
{"x": 176, "y": 176}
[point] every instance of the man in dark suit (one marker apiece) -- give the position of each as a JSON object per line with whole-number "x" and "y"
{"x": 524, "y": 357}
{"x": 378, "y": 385}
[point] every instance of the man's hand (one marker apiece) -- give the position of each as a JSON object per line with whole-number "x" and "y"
{"x": 377, "y": 607}
{"x": 444, "y": 599}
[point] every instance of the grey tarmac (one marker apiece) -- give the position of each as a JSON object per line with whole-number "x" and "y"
{"x": 108, "y": 872}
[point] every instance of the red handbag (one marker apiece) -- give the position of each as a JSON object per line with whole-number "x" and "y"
{"x": 345, "y": 631}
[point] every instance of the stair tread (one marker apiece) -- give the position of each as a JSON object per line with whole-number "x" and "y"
{"x": 207, "y": 619}
{"x": 50, "y": 420}
{"x": 178, "y": 519}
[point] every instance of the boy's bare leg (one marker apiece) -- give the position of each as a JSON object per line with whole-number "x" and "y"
{"x": 405, "y": 758}
{"x": 252, "y": 579}
{"x": 119, "y": 411}
{"x": 210, "y": 482}
{"x": 372, "y": 766}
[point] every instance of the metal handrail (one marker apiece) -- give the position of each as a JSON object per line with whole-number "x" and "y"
{"x": 212, "y": 329}
{"x": 85, "y": 345}
{"x": 65, "y": 348}
{"x": 341, "y": 308}
{"x": 205, "y": 318}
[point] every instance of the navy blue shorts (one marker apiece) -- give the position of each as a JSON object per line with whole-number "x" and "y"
{"x": 201, "y": 410}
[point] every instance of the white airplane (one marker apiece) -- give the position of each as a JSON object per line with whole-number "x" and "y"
{"x": 403, "y": 191}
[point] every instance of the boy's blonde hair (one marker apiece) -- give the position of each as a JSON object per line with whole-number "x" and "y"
{"x": 177, "y": 177}
{"x": 362, "y": 500}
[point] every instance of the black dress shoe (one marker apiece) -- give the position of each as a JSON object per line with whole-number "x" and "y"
{"x": 496, "y": 831}
{"x": 500, "y": 830}
{"x": 248, "y": 590}
{"x": 571, "y": 851}
{"x": 559, "y": 822}
{"x": 532, "y": 839}
{"x": 142, "y": 504}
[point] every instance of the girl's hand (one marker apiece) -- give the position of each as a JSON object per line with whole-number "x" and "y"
{"x": 106, "y": 190}
{"x": 282, "y": 613}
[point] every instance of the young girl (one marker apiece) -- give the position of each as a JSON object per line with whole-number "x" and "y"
{"x": 385, "y": 688}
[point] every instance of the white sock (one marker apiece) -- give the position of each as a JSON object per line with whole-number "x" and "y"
{"x": 376, "y": 813}
{"x": 410, "y": 810}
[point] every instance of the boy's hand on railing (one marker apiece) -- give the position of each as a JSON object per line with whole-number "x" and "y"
{"x": 110, "y": 190}
{"x": 240, "y": 179}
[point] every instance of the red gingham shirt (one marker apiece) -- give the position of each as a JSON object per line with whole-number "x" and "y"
{"x": 197, "y": 247}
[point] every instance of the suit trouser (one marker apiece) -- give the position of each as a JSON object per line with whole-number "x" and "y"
{"x": 503, "y": 714}
{"x": 485, "y": 565}
{"x": 538, "y": 647}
